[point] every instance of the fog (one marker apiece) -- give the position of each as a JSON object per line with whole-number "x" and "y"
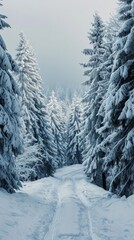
{"x": 57, "y": 30}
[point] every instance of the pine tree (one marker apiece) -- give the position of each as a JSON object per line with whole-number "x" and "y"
{"x": 28, "y": 90}
{"x": 58, "y": 127}
{"x": 10, "y": 142}
{"x": 118, "y": 123}
{"x": 94, "y": 95}
{"x": 74, "y": 151}
{"x": 94, "y": 169}
{"x": 35, "y": 121}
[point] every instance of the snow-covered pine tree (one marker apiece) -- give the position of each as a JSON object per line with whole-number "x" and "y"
{"x": 93, "y": 97}
{"x": 35, "y": 121}
{"x": 105, "y": 72}
{"x": 74, "y": 151}
{"x": 118, "y": 122}
{"x": 10, "y": 142}
{"x": 108, "y": 56}
{"x": 27, "y": 89}
{"x": 58, "y": 127}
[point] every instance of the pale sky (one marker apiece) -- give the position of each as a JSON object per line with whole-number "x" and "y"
{"x": 57, "y": 30}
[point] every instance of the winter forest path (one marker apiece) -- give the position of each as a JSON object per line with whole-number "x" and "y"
{"x": 65, "y": 207}
{"x": 87, "y": 212}
{"x": 71, "y": 221}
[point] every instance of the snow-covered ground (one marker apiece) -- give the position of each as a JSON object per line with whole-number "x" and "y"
{"x": 66, "y": 207}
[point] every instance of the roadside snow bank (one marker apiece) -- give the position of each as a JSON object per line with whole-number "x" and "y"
{"x": 26, "y": 215}
{"x": 110, "y": 217}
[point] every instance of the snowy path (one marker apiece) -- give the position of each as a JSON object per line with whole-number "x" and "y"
{"x": 87, "y": 212}
{"x": 71, "y": 219}
{"x": 65, "y": 207}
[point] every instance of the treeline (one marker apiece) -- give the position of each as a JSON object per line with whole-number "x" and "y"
{"x": 108, "y": 118}
{"x": 33, "y": 127}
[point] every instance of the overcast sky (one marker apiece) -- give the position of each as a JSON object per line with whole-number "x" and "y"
{"x": 57, "y": 30}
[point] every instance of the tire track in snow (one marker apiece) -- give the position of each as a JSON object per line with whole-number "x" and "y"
{"x": 85, "y": 202}
{"x": 90, "y": 203}
{"x": 71, "y": 219}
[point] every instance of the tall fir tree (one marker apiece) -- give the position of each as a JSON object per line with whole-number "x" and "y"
{"x": 28, "y": 90}
{"x": 93, "y": 168}
{"x": 117, "y": 164}
{"x": 10, "y": 142}
{"x": 35, "y": 121}
{"x": 58, "y": 127}
{"x": 93, "y": 97}
{"x": 74, "y": 151}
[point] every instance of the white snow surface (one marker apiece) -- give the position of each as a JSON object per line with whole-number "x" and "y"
{"x": 65, "y": 207}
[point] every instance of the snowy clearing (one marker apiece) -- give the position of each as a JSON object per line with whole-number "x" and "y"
{"x": 66, "y": 207}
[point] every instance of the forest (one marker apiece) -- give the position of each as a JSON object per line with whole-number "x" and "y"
{"x": 41, "y": 133}
{"x": 67, "y": 156}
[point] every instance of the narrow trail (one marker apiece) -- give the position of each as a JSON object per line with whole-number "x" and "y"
{"x": 65, "y": 207}
{"x": 71, "y": 220}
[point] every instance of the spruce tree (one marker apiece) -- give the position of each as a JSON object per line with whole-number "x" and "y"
{"x": 28, "y": 90}
{"x": 58, "y": 127}
{"x": 93, "y": 96}
{"x": 35, "y": 121}
{"x": 74, "y": 151}
{"x": 94, "y": 168}
{"x": 118, "y": 122}
{"x": 10, "y": 142}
